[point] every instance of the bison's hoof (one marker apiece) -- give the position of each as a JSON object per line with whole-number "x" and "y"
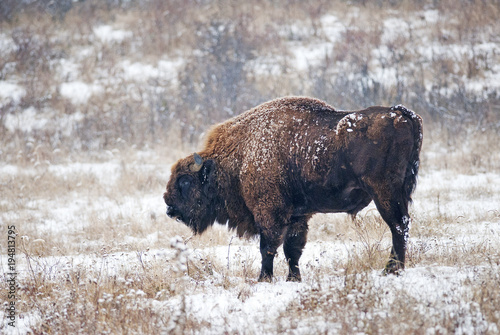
{"x": 265, "y": 279}
{"x": 393, "y": 268}
{"x": 294, "y": 278}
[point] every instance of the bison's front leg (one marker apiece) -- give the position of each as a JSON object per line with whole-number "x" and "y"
{"x": 269, "y": 242}
{"x": 295, "y": 240}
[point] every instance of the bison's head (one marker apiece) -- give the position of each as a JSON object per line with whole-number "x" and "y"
{"x": 190, "y": 195}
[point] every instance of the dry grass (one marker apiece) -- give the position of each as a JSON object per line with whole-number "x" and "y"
{"x": 95, "y": 251}
{"x": 95, "y": 255}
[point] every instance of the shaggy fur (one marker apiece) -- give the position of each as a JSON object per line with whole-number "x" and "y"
{"x": 268, "y": 170}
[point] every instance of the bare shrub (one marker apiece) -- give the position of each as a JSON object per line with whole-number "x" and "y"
{"x": 215, "y": 84}
{"x": 165, "y": 25}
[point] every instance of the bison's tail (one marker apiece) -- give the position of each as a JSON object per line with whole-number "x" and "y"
{"x": 410, "y": 180}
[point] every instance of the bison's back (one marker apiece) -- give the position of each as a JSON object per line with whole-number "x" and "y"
{"x": 301, "y": 130}
{"x": 303, "y": 146}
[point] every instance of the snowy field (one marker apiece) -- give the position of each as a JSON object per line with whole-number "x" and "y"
{"x": 89, "y": 257}
{"x": 96, "y": 109}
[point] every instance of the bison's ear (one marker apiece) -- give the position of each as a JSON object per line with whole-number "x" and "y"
{"x": 207, "y": 171}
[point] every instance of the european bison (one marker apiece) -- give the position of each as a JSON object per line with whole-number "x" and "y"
{"x": 268, "y": 170}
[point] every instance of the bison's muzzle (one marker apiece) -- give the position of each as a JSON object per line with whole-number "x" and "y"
{"x": 173, "y": 213}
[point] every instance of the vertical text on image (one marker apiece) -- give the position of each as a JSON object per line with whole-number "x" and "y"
{"x": 11, "y": 276}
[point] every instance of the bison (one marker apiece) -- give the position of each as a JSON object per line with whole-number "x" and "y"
{"x": 268, "y": 170}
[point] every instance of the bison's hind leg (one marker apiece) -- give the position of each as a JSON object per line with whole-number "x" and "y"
{"x": 295, "y": 240}
{"x": 393, "y": 208}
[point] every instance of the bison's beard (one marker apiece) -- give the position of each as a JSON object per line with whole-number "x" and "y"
{"x": 200, "y": 222}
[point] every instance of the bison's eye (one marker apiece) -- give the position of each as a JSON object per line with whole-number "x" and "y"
{"x": 184, "y": 185}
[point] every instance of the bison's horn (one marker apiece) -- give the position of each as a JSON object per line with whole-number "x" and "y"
{"x": 198, "y": 163}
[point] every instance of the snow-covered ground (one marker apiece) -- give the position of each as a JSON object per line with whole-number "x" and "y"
{"x": 453, "y": 249}
{"x": 97, "y": 254}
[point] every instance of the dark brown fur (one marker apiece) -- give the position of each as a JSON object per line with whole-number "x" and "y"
{"x": 268, "y": 170}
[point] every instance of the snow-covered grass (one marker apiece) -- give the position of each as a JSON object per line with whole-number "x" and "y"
{"x": 97, "y": 254}
{"x": 94, "y": 109}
